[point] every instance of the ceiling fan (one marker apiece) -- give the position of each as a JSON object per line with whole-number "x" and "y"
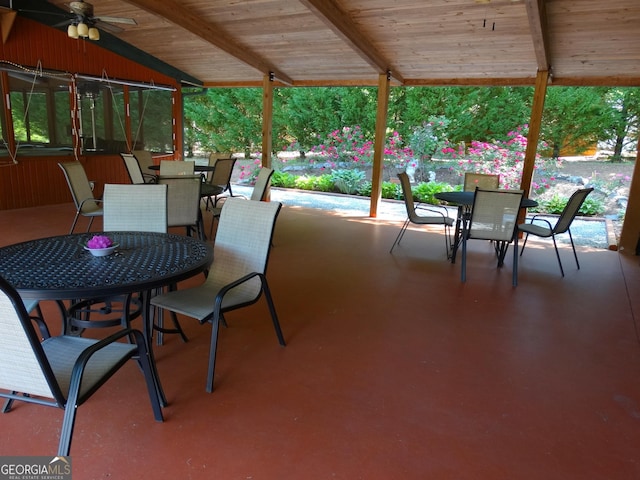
{"x": 79, "y": 18}
{"x": 83, "y": 23}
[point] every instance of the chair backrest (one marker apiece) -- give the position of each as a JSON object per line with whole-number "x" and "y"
{"x": 183, "y": 199}
{"x": 571, "y": 209}
{"x": 145, "y": 160}
{"x": 133, "y": 168}
{"x": 222, "y": 174}
{"x": 494, "y": 215}
{"x": 176, "y": 167}
{"x": 480, "y": 180}
{"x": 140, "y": 208}
{"x": 262, "y": 183}
{"x": 407, "y": 193}
{"x": 79, "y": 186}
{"x": 24, "y": 367}
{"x": 213, "y": 158}
{"x": 243, "y": 242}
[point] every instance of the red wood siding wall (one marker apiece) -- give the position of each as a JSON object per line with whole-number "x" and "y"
{"x": 35, "y": 181}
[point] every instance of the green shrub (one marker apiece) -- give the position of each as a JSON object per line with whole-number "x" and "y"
{"x": 555, "y": 205}
{"x": 348, "y": 181}
{"x": 305, "y": 183}
{"x": 324, "y": 183}
{"x": 283, "y": 179}
{"x": 424, "y": 192}
{"x": 390, "y": 190}
{"x": 591, "y": 207}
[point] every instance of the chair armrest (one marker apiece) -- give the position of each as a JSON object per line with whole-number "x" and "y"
{"x": 543, "y": 220}
{"x": 432, "y": 209}
{"x": 223, "y": 291}
{"x": 91, "y": 199}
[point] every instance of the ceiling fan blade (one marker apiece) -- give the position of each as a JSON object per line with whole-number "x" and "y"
{"x": 127, "y": 21}
{"x": 108, "y": 27}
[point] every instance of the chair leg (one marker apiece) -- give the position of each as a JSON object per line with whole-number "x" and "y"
{"x": 75, "y": 220}
{"x": 463, "y": 269}
{"x": 575, "y": 254}
{"x": 524, "y": 244}
{"x": 555, "y": 246}
{"x": 272, "y": 310}
{"x": 215, "y": 327}
{"x": 149, "y": 372}
{"x": 90, "y": 223}
{"x": 400, "y": 234}
{"x": 447, "y": 238}
{"x": 515, "y": 260}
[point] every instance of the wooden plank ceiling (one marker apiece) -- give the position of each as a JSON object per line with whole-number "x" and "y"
{"x": 420, "y": 42}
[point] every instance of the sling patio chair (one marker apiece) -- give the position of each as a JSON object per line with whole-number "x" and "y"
{"x": 127, "y": 207}
{"x": 145, "y": 160}
{"x": 493, "y": 216}
{"x": 134, "y": 169}
{"x": 63, "y": 371}
{"x": 258, "y": 194}
{"x": 219, "y": 182}
{"x": 237, "y": 277}
{"x": 480, "y": 180}
{"x": 183, "y": 202}
{"x": 543, "y": 227}
{"x": 176, "y": 167}
{"x": 437, "y": 215}
{"x": 81, "y": 192}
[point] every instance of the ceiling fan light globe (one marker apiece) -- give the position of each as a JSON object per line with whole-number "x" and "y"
{"x": 94, "y": 34}
{"x": 72, "y": 31}
{"x": 83, "y": 30}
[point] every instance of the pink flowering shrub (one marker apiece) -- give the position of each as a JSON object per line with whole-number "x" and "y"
{"x": 502, "y": 157}
{"x": 249, "y": 173}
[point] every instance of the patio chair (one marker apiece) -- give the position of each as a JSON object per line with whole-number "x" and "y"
{"x": 493, "y": 216}
{"x": 62, "y": 371}
{"x": 480, "y": 180}
{"x": 563, "y": 224}
{"x": 81, "y": 192}
{"x": 127, "y": 207}
{"x": 176, "y": 167}
{"x": 135, "y": 170}
{"x": 237, "y": 277}
{"x": 258, "y": 194}
{"x": 141, "y": 208}
{"x": 436, "y": 217}
{"x": 183, "y": 202}
{"x": 219, "y": 182}
{"x": 145, "y": 160}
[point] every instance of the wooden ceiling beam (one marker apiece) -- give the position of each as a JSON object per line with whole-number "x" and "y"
{"x": 174, "y": 12}
{"x": 342, "y": 25}
{"x": 537, "y": 15}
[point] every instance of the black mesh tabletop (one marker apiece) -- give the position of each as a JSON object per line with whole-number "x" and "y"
{"x": 59, "y": 268}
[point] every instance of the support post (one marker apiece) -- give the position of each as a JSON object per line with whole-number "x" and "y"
{"x": 534, "y": 131}
{"x": 629, "y": 242}
{"x": 379, "y": 141}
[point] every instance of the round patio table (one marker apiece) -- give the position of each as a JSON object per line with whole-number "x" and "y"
{"x": 60, "y": 268}
{"x": 464, "y": 201}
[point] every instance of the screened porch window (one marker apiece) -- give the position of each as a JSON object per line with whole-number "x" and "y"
{"x": 41, "y": 115}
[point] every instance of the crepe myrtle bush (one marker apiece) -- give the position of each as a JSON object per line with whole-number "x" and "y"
{"x": 501, "y": 157}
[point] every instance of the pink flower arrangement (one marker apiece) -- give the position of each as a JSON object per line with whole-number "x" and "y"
{"x": 99, "y": 241}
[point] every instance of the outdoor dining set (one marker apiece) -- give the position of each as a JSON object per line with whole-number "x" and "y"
{"x": 486, "y": 212}
{"x": 128, "y": 271}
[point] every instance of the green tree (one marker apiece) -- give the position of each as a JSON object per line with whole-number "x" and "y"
{"x": 622, "y": 129}
{"x": 573, "y": 117}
